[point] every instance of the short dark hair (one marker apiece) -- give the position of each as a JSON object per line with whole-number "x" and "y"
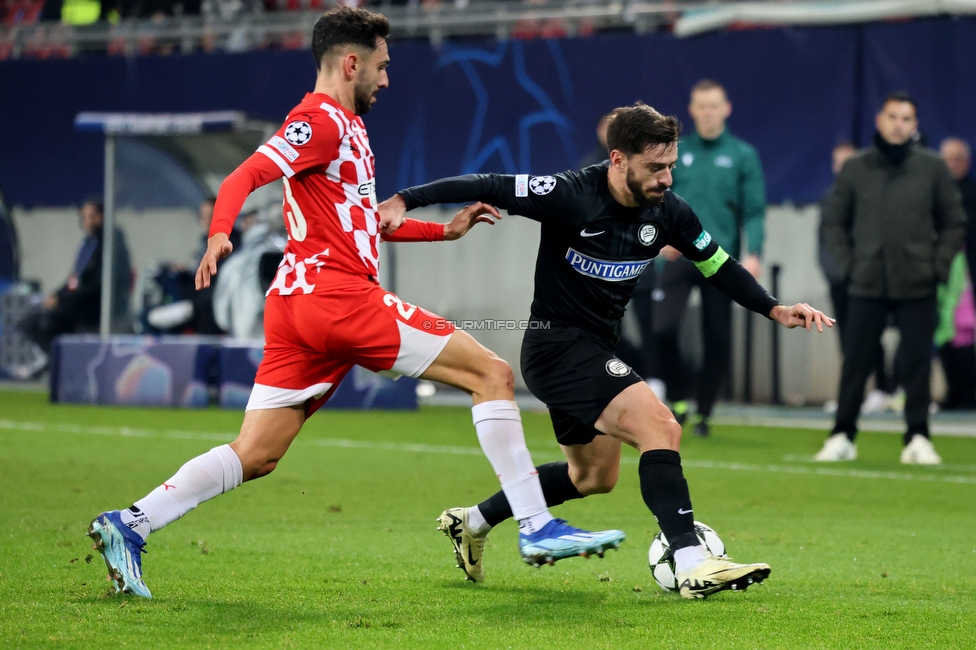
{"x": 902, "y": 97}
{"x": 634, "y": 129}
{"x": 95, "y": 200}
{"x": 347, "y": 26}
{"x": 708, "y": 84}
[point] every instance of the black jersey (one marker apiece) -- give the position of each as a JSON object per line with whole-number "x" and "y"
{"x": 593, "y": 249}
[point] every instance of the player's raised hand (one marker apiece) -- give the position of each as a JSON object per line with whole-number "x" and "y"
{"x": 392, "y": 213}
{"x": 468, "y": 217}
{"x": 801, "y": 315}
{"x": 218, "y": 247}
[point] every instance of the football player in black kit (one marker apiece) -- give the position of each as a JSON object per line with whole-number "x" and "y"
{"x": 601, "y": 227}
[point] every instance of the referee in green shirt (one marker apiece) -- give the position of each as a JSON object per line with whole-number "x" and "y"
{"x": 721, "y": 178}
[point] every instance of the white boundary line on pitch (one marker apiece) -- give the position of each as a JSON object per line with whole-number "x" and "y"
{"x": 40, "y": 427}
{"x": 879, "y": 425}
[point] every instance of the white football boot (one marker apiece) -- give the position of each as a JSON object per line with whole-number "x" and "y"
{"x": 718, "y": 574}
{"x": 837, "y": 448}
{"x": 468, "y": 547}
{"x": 919, "y": 451}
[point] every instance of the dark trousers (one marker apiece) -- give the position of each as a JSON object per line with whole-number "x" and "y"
{"x": 840, "y": 300}
{"x": 866, "y": 321}
{"x": 42, "y": 326}
{"x": 673, "y": 288}
{"x": 959, "y": 365}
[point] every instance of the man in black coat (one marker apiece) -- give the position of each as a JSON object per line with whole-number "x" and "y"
{"x": 884, "y": 384}
{"x": 76, "y": 305}
{"x": 893, "y": 223}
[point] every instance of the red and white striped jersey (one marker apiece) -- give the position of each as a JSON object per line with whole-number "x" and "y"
{"x": 329, "y": 195}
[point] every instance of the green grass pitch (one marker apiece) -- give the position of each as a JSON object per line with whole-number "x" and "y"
{"x": 338, "y": 547}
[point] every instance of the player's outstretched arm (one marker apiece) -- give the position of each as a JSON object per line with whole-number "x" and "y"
{"x": 538, "y": 197}
{"x": 729, "y": 277}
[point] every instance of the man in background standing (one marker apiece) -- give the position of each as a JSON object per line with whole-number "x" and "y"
{"x": 721, "y": 178}
{"x": 881, "y": 396}
{"x": 893, "y": 223}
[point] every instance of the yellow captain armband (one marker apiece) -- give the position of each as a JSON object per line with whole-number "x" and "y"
{"x": 711, "y": 266}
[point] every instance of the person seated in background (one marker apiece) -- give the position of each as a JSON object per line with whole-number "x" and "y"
{"x": 238, "y": 299}
{"x": 187, "y": 310}
{"x": 76, "y": 306}
{"x": 203, "y": 300}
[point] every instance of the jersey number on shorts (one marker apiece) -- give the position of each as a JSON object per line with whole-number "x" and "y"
{"x": 406, "y": 310}
{"x": 295, "y": 220}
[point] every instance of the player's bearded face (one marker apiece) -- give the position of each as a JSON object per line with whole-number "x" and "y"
{"x": 648, "y": 174}
{"x": 372, "y": 79}
{"x": 364, "y": 94}
{"x": 647, "y": 189}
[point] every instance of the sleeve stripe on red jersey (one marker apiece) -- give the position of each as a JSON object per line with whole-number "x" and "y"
{"x": 277, "y": 159}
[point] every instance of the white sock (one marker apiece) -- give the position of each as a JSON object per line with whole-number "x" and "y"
{"x": 476, "y": 522}
{"x": 499, "y": 428}
{"x": 200, "y": 479}
{"x": 137, "y": 520}
{"x": 687, "y": 558}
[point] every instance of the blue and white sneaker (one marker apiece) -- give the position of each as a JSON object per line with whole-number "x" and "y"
{"x": 122, "y": 550}
{"x": 558, "y": 540}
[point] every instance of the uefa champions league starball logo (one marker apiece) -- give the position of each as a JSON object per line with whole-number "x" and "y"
{"x": 298, "y": 133}
{"x": 542, "y": 184}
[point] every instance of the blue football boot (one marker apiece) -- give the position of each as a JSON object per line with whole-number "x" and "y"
{"x": 122, "y": 550}
{"x": 558, "y": 540}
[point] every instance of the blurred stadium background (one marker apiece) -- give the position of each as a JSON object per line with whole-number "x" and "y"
{"x": 475, "y": 87}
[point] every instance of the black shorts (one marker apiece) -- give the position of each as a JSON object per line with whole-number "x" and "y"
{"x": 576, "y": 374}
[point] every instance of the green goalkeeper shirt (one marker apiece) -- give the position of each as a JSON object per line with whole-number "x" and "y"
{"x": 722, "y": 181}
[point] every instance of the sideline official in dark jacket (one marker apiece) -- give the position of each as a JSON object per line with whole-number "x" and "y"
{"x": 893, "y": 223}
{"x": 76, "y": 305}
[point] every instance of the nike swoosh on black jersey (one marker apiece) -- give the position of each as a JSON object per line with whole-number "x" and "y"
{"x": 583, "y": 233}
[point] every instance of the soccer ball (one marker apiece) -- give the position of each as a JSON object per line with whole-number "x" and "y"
{"x": 661, "y": 559}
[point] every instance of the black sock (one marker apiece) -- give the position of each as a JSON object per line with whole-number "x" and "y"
{"x": 557, "y": 488}
{"x": 665, "y": 492}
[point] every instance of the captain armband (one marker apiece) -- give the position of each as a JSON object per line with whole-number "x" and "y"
{"x": 711, "y": 266}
